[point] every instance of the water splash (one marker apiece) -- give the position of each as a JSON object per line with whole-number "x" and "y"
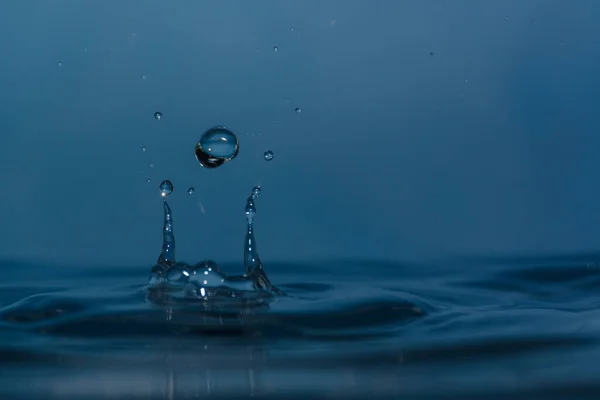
{"x": 175, "y": 280}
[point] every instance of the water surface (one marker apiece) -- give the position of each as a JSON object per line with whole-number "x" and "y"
{"x": 517, "y": 328}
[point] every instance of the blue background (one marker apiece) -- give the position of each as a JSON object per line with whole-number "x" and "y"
{"x": 488, "y": 146}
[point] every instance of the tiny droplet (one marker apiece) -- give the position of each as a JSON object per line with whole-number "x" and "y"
{"x": 275, "y": 49}
{"x": 60, "y": 63}
{"x": 298, "y": 110}
{"x": 268, "y": 155}
{"x": 256, "y": 191}
{"x": 144, "y": 149}
{"x": 158, "y": 115}
{"x": 166, "y": 187}
{"x": 191, "y": 191}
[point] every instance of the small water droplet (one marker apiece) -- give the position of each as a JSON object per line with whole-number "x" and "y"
{"x": 333, "y": 22}
{"x": 217, "y": 146}
{"x": 292, "y": 29}
{"x": 144, "y": 149}
{"x": 59, "y": 63}
{"x": 506, "y": 18}
{"x": 256, "y": 191}
{"x": 151, "y": 165}
{"x": 191, "y": 191}
{"x": 275, "y": 49}
{"x": 298, "y": 110}
{"x": 431, "y": 53}
{"x": 166, "y": 187}
{"x": 148, "y": 180}
{"x": 144, "y": 77}
{"x": 158, "y": 115}
{"x": 268, "y": 155}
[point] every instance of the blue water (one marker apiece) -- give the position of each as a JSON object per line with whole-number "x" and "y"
{"x": 493, "y": 328}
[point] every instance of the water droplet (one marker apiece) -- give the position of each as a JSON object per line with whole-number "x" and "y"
{"x": 191, "y": 191}
{"x": 256, "y": 191}
{"x": 292, "y": 29}
{"x": 298, "y": 110}
{"x": 268, "y": 155}
{"x": 59, "y": 63}
{"x": 431, "y": 53}
{"x": 166, "y": 187}
{"x": 144, "y": 77}
{"x": 144, "y": 149}
{"x": 148, "y": 180}
{"x": 151, "y": 165}
{"x": 158, "y": 115}
{"x": 275, "y": 49}
{"x": 216, "y": 146}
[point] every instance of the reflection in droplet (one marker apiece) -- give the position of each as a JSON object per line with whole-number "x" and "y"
{"x": 158, "y": 115}
{"x": 217, "y": 146}
{"x": 268, "y": 155}
{"x": 166, "y": 187}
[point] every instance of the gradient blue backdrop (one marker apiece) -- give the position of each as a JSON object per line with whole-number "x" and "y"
{"x": 489, "y": 145}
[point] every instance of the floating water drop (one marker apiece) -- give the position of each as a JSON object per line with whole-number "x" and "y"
{"x": 256, "y": 191}
{"x": 144, "y": 149}
{"x": 275, "y": 49}
{"x": 148, "y": 180}
{"x": 59, "y": 63}
{"x": 216, "y": 146}
{"x": 298, "y": 110}
{"x": 166, "y": 187}
{"x": 151, "y": 165}
{"x": 158, "y": 115}
{"x": 144, "y": 77}
{"x": 191, "y": 191}
{"x": 268, "y": 155}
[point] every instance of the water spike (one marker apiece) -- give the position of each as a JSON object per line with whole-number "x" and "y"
{"x": 167, "y": 255}
{"x": 251, "y": 259}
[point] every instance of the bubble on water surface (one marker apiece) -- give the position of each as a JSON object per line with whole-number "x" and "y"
{"x": 268, "y": 155}
{"x": 158, "y": 115}
{"x": 217, "y": 146}
{"x": 166, "y": 187}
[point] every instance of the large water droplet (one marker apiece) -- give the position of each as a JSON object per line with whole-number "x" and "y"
{"x": 256, "y": 191}
{"x": 191, "y": 191}
{"x": 166, "y": 187}
{"x": 158, "y": 115}
{"x": 268, "y": 155}
{"x": 216, "y": 146}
